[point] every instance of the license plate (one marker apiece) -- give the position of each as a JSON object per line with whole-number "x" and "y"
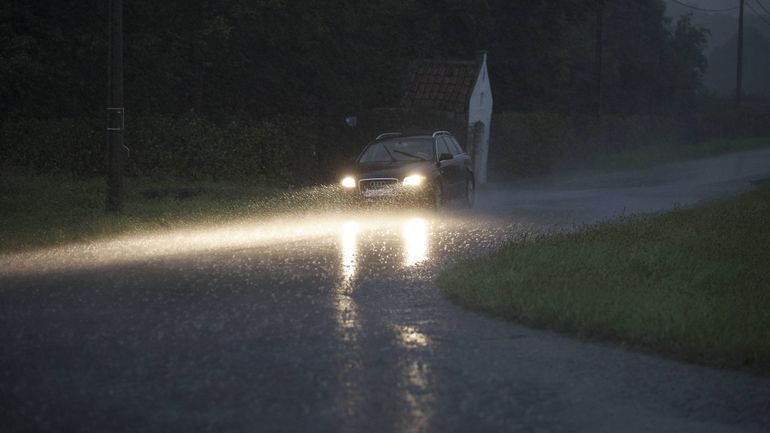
{"x": 377, "y": 192}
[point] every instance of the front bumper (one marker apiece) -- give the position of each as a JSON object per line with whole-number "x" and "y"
{"x": 385, "y": 190}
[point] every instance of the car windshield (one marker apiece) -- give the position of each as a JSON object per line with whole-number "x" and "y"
{"x": 399, "y": 149}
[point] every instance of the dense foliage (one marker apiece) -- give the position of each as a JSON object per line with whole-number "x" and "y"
{"x": 253, "y": 59}
{"x": 189, "y": 146}
{"x": 229, "y": 88}
{"x": 299, "y": 150}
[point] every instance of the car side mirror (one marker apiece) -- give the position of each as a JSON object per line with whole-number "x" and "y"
{"x": 445, "y": 156}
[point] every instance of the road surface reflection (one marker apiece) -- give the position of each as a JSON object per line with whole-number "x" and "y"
{"x": 415, "y": 236}
{"x": 414, "y": 240}
{"x": 346, "y": 311}
{"x": 411, "y": 236}
{"x": 349, "y": 239}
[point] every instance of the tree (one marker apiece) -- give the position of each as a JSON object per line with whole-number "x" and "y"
{"x": 687, "y": 63}
{"x": 228, "y": 58}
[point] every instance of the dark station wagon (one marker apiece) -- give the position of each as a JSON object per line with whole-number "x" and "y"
{"x": 430, "y": 168}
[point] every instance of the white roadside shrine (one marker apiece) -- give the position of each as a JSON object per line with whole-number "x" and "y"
{"x": 461, "y": 90}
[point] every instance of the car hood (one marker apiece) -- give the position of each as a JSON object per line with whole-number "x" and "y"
{"x": 398, "y": 169}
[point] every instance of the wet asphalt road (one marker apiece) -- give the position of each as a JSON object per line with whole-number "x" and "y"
{"x": 330, "y": 322}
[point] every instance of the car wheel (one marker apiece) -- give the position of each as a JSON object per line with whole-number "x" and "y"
{"x": 436, "y": 196}
{"x": 470, "y": 193}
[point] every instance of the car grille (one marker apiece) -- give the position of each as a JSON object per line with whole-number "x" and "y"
{"x": 372, "y": 184}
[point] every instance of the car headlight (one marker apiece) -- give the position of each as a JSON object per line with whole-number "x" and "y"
{"x": 414, "y": 180}
{"x": 348, "y": 182}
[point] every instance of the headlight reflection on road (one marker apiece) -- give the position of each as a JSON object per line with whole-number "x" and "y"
{"x": 418, "y": 395}
{"x": 411, "y": 337}
{"x": 349, "y": 245}
{"x": 415, "y": 235}
{"x": 418, "y": 398}
{"x": 346, "y": 311}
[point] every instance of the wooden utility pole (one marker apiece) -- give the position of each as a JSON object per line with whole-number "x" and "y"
{"x": 739, "y": 68}
{"x": 598, "y": 47}
{"x": 115, "y": 110}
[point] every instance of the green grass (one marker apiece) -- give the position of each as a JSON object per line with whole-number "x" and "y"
{"x": 44, "y": 210}
{"x": 693, "y": 284}
{"x": 656, "y": 154}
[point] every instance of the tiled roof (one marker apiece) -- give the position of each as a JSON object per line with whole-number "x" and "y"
{"x": 440, "y": 85}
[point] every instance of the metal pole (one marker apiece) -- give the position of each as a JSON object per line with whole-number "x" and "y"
{"x": 115, "y": 110}
{"x": 739, "y": 68}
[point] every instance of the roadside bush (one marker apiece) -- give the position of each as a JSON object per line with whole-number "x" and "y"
{"x": 726, "y": 125}
{"x": 280, "y": 150}
{"x": 196, "y": 148}
{"x": 301, "y": 150}
{"x": 63, "y": 145}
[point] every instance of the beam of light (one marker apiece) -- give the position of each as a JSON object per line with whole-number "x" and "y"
{"x": 159, "y": 244}
{"x": 287, "y": 232}
{"x": 415, "y": 237}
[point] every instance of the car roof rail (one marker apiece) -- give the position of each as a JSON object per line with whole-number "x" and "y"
{"x": 387, "y": 134}
{"x": 437, "y": 133}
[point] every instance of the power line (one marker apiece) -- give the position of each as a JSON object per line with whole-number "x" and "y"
{"x": 759, "y": 3}
{"x": 704, "y": 9}
{"x": 759, "y": 15}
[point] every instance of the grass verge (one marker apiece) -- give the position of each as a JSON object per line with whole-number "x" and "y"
{"x": 648, "y": 156}
{"x": 692, "y": 284}
{"x": 43, "y": 210}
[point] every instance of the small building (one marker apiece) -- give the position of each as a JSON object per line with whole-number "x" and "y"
{"x": 461, "y": 91}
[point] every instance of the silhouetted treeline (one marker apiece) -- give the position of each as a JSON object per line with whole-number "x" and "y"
{"x": 235, "y": 58}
